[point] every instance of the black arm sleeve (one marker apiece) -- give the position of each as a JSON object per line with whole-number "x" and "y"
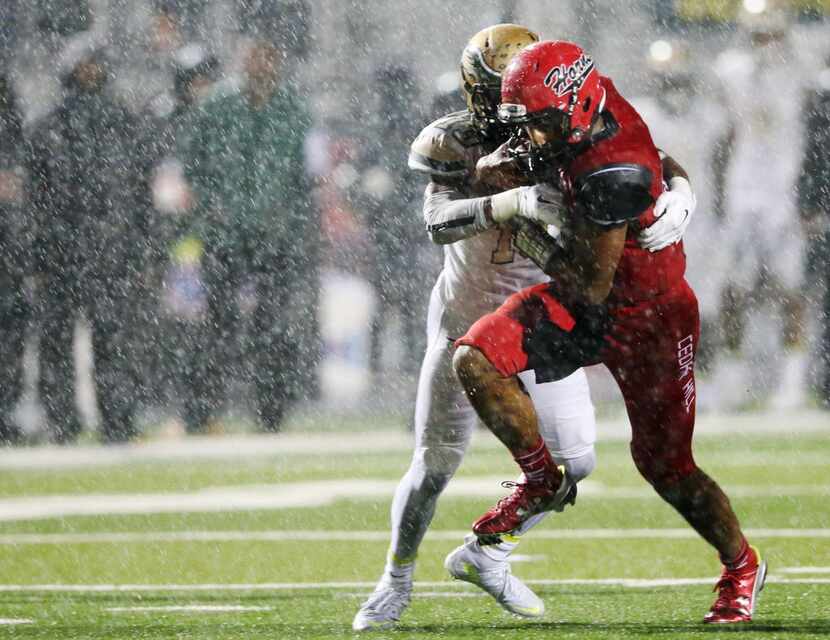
{"x": 814, "y": 180}
{"x": 614, "y": 194}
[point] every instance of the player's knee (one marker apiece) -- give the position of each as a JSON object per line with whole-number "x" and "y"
{"x": 580, "y": 468}
{"x": 433, "y": 467}
{"x": 660, "y": 470}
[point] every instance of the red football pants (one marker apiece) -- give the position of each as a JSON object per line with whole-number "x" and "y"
{"x": 650, "y": 351}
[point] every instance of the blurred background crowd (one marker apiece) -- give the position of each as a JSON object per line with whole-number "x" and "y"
{"x": 207, "y": 208}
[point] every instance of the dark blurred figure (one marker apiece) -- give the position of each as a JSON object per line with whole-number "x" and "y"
{"x": 284, "y": 21}
{"x": 246, "y": 164}
{"x": 397, "y": 264}
{"x": 91, "y": 236}
{"x": 15, "y": 258}
{"x": 8, "y": 30}
{"x": 181, "y": 19}
{"x": 814, "y": 206}
{"x": 62, "y": 17}
{"x": 448, "y": 96}
{"x": 178, "y": 297}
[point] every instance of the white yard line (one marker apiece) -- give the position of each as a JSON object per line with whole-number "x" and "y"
{"x": 632, "y": 583}
{"x": 377, "y": 536}
{"x": 188, "y": 608}
{"x": 807, "y": 570}
{"x": 302, "y": 443}
{"x": 11, "y": 621}
{"x": 204, "y": 448}
{"x": 422, "y": 594}
{"x": 307, "y": 495}
{"x": 527, "y": 557}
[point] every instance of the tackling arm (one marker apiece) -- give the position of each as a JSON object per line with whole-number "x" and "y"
{"x": 586, "y": 270}
{"x": 450, "y": 215}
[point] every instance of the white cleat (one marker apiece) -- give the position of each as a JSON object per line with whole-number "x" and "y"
{"x": 384, "y": 607}
{"x": 470, "y": 563}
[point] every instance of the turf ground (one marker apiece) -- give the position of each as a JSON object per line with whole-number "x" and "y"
{"x": 283, "y": 537}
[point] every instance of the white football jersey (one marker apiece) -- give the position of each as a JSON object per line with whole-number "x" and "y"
{"x": 482, "y": 270}
{"x": 763, "y": 90}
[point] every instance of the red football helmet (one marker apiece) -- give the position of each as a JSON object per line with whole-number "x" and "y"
{"x": 554, "y": 83}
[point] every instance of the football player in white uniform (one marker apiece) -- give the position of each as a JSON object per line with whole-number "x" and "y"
{"x": 481, "y": 268}
{"x": 763, "y": 83}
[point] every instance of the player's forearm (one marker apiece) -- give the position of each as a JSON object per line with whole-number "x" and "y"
{"x": 586, "y": 271}
{"x": 671, "y": 168}
{"x": 450, "y": 216}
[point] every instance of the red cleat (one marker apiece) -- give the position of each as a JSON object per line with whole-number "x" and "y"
{"x": 527, "y": 500}
{"x": 738, "y": 593}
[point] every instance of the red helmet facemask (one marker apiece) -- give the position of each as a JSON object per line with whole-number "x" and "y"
{"x": 553, "y": 85}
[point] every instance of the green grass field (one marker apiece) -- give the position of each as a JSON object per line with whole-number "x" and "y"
{"x": 284, "y": 543}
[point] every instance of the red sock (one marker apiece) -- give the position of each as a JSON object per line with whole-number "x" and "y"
{"x": 744, "y": 560}
{"x": 536, "y": 462}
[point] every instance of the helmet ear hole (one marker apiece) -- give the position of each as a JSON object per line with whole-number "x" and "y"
{"x": 587, "y": 105}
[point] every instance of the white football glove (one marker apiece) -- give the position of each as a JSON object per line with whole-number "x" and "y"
{"x": 541, "y": 202}
{"x": 673, "y": 210}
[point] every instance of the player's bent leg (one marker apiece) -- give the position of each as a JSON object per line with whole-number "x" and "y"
{"x": 499, "y": 400}
{"x": 488, "y": 359}
{"x": 508, "y": 411}
{"x": 580, "y": 467}
{"x": 416, "y": 496}
{"x": 444, "y": 422}
{"x": 662, "y": 422}
{"x": 412, "y": 511}
{"x": 567, "y": 423}
{"x": 487, "y": 565}
{"x": 667, "y": 464}
{"x": 706, "y": 508}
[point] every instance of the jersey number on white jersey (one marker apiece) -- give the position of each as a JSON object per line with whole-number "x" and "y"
{"x": 504, "y": 252}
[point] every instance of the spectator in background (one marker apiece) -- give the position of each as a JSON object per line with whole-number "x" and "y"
{"x": 185, "y": 18}
{"x": 245, "y": 162}
{"x": 63, "y": 17}
{"x": 448, "y": 96}
{"x": 398, "y": 269}
{"x": 814, "y": 206}
{"x": 8, "y": 30}
{"x": 284, "y": 21}
{"x": 15, "y": 255}
{"x": 763, "y": 308}
{"x": 90, "y": 243}
{"x": 181, "y": 327}
{"x": 684, "y": 120}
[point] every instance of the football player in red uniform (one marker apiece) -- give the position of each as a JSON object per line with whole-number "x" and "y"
{"x": 609, "y": 301}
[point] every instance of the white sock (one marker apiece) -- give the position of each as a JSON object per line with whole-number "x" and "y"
{"x": 399, "y": 571}
{"x": 500, "y": 552}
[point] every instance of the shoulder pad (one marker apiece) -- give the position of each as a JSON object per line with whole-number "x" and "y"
{"x": 615, "y": 193}
{"x": 441, "y": 148}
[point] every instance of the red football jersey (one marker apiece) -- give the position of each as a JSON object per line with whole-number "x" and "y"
{"x": 626, "y": 146}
